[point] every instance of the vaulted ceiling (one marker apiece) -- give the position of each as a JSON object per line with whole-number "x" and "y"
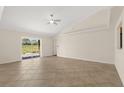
{"x": 35, "y": 18}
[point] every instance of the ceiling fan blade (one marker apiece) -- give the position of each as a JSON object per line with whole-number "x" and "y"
{"x": 55, "y": 23}
{"x": 57, "y": 20}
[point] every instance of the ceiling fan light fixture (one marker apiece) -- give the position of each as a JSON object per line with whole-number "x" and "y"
{"x": 51, "y": 21}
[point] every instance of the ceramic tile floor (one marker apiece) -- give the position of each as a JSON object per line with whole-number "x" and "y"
{"x": 58, "y": 72}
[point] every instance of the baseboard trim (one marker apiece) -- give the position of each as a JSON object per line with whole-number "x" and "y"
{"x": 9, "y": 62}
{"x": 88, "y": 59}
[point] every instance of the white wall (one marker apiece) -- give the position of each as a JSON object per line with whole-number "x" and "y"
{"x": 1, "y": 11}
{"x": 119, "y": 53}
{"x": 93, "y": 44}
{"x": 10, "y": 45}
{"x": 47, "y": 47}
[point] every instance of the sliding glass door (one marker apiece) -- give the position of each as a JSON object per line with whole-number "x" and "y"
{"x": 30, "y": 47}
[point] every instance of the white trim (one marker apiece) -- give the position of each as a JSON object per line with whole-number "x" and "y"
{"x": 97, "y": 28}
{"x": 89, "y": 59}
{"x": 9, "y": 62}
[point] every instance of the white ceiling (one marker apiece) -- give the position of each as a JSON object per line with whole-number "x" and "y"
{"x": 35, "y": 18}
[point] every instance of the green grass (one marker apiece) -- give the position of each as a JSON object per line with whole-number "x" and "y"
{"x": 30, "y": 49}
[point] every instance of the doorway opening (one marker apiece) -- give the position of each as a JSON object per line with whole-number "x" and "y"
{"x": 30, "y": 47}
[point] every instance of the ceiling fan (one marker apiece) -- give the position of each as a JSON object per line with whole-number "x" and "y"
{"x": 53, "y": 21}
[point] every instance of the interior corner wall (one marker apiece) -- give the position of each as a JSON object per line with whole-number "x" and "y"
{"x": 119, "y": 53}
{"x": 10, "y": 45}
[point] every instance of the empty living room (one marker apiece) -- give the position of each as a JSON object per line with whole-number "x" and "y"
{"x": 61, "y": 46}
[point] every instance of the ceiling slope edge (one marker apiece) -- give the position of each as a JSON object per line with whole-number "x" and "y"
{"x": 96, "y": 22}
